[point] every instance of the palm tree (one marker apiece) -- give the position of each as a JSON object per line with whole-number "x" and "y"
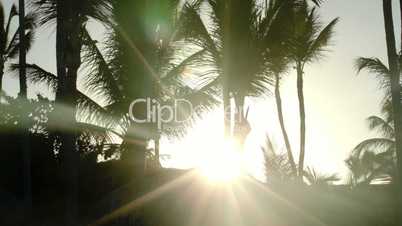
{"x": 147, "y": 61}
{"x": 365, "y": 158}
{"x": 278, "y": 169}
{"x": 395, "y": 88}
{"x": 279, "y": 63}
{"x": 22, "y": 49}
{"x": 70, "y": 17}
{"x": 394, "y": 68}
{"x": 307, "y": 46}
{"x": 12, "y": 45}
{"x": 394, "y": 72}
{"x": 249, "y": 35}
{"x": 107, "y": 79}
{"x": 23, "y": 94}
{"x": 10, "y": 42}
{"x": 374, "y": 158}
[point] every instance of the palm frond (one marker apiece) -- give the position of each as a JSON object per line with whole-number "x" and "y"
{"x": 371, "y": 167}
{"x": 12, "y": 14}
{"x": 99, "y": 79}
{"x": 13, "y": 47}
{"x": 382, "y": 126}
{"x": 98, "y": 132}
{"x": 377, "y": 67}
{"x": 318, "y": 46}
{"x": 193, "y": 29}
{"x": 317, "y": 2}
{"x": 375, "y": 144}
{"x": 96, "y": 9}
{"x": 314, "y": 178}
{"x": 197, "y": 102}
{"x": 178, "y": 69}
{"x": 45, "y": 9}
{"x": 90, "y": 111}
{"x": 36, "y": 74}
{"x": 277, "y": 166}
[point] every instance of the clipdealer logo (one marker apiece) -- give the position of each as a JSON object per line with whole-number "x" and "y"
{"x": 177, "y": 111}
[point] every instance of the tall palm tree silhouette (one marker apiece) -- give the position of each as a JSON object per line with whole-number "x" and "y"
{"x": 70, "y": 17}
{"x": 10, "y": 42}
{"x": 394, "y": 68}
{"x": 307, "y": 46}
{"x": 367, "y": 156}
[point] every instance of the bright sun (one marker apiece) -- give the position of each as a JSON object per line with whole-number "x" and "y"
{"x": 224, "y": 166}
{"x": 216, "y": 160}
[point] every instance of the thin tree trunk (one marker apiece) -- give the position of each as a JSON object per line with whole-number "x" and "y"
{"x": 240, "y": 121}
{"x": 226, "y": 72}
{"x": 157, "y": 151}
{"x": 22, "y": 54}
{"x": 302, "y": 113}
{"x": 23, "y": 95}
{"x": 226, "y": 111}
{"x": 156, "y": 129}
{"x": 395, "y": 90}
{"x": 156, "y": 95}
{"x": 1, "y": 75}
{"x": 282, "y": 124}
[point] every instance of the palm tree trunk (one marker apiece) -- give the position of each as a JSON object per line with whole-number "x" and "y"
{"x": 395, "y": 90}
{"x": 282, "y": 124}
{"x": 400, "y": 10}
{"x": 302, "y": 113}
{"x": 22, "y": 54}
{"x": 239, "y": 120}
{"x": 23, "y": 94}
{"x": 1, "y": 74}
{"x": 69, "y": 60}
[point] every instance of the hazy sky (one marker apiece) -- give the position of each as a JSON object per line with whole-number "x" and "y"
{"x": 337, "y": 101}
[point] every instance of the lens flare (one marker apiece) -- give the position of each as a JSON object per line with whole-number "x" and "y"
{"x": 225, "y": 166}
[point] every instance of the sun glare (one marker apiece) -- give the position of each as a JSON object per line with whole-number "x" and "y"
{"x": 224, "y": 166}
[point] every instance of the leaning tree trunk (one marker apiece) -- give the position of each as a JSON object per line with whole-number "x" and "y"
{"x": 302, "y": 113}
{"x": 395, "y": 91}
{"x": 69, "y": 27}
{"x": 282, "y": 124}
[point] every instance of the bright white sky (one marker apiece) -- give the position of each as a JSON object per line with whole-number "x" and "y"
{"x": 337, "y": 101}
